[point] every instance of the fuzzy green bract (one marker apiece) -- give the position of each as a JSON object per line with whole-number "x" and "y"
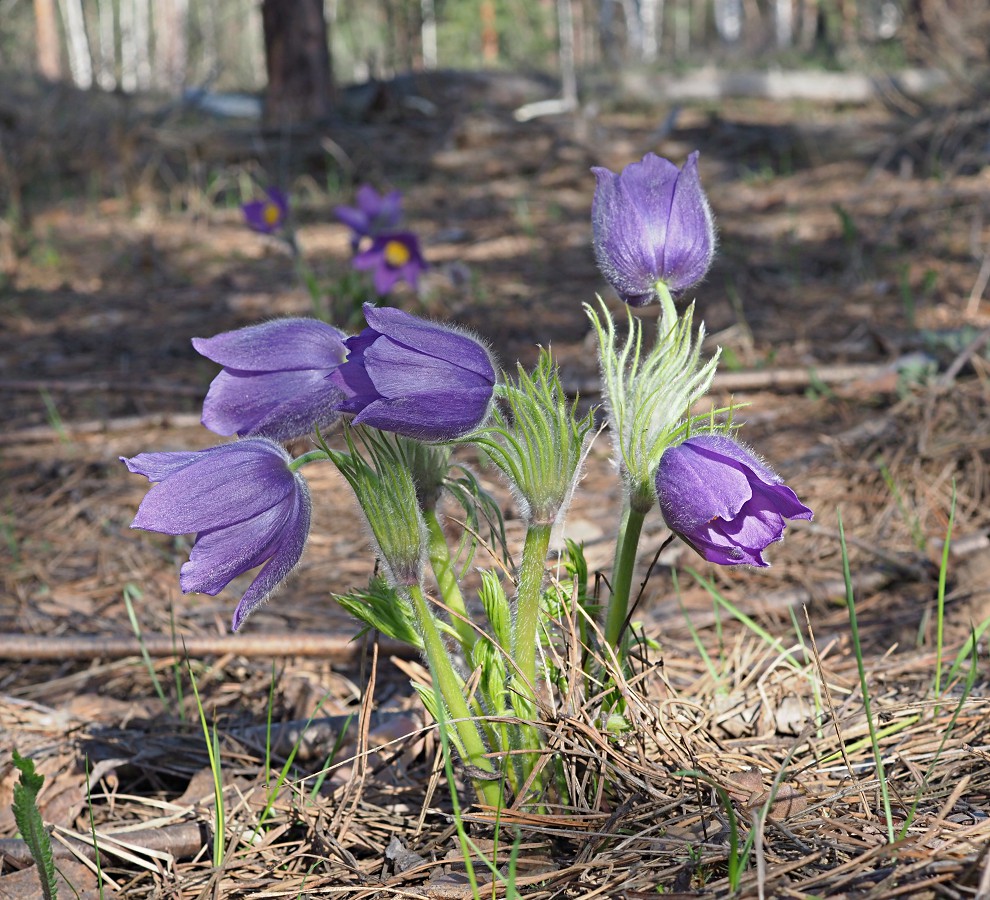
{"x": 648, "y": 395}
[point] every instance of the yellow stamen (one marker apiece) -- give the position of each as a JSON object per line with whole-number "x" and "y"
{"x": 396, "y": 254}
{"x": 271, "y": 214}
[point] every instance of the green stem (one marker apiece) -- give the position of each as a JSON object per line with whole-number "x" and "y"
{"x": 309, "y": 457}
{"x": 443, "y": 569}
{"x": 626, "y": 548}
{"x": 525, "y": 633}
{"x": 448, "y": 684}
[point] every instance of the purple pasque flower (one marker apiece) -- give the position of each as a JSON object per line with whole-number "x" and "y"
{"x": 268, "y": 215}
{"x": 652, "y": 223}
{"x": 392, "y": 257}
{"x": 374, "y": 213}
{"x": 722, "y": 501}
{"x": 274, "y": 379}
{"x": 245, "y": 505}
{"x": 415, "y": 378}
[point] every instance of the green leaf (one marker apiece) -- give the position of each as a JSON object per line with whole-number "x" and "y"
{"x": 382, "y": 608}
{"x": 31, "y": 826}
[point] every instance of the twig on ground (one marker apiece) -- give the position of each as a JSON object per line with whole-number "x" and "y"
{"x": 331, "y": 647}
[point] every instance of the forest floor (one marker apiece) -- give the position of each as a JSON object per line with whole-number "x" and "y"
{"x": 849, "y": 298}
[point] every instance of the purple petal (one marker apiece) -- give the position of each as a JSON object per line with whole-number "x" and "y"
{"x": 441, "y": 342}
{"x": 279, "y": 345}
{"x": 287, "y": 554}
{"x": 352, "y": 218}
{"x": 418, "y": 417}
{"x": 277, "y": 405}
{"x": 219, "y": 556}
{"x": 690, "y": 230}
{"x": 158, "y": 466}
{"x": 225, "y": 485}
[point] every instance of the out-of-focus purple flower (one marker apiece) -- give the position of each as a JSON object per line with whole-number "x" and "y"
{"x": 722, "y": 501}
{"x": 415, "y": 378}
{"x": 268, "y": 215}
{"x": 651, "y": 224}
{"x": 245, "y": 506}
{"x": 374, "y": 214}
{"x": 392, "y": 258}
{"x": 274, "y": 379}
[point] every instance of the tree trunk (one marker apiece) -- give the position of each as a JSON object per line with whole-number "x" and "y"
{"x": 565, "y": 40}
{"x": 297, "y": 58}
{"x": 428, "y": 33}
{"x": 80, "y": 62}
{"x": 106, "y": 71}
{"x": 171, "y": 44}
{"x": 48, "y": 48}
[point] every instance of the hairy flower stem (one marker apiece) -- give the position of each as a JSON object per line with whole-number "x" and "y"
{"x": 449, "y": 686}
{"x": 622, "y": 573}
{"x": 525, "y": 634}
{"x": 443, "y": 569}
{"x": 311, "y": 456}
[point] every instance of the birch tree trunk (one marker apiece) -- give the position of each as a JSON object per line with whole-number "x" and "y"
{"x": 728, "y": 16}
{"x": 634, "y": 28}
{"x": 565, "y": 40}
{"x": 650, "y": 12}
{"x": 106, "y": 71}
{"x": 428, "y": 33}
{"x": 142, "y": 42}
{"x": 48, "y": 48}
{"x": 171, "y": 44}
{"x": 77, "y": 43}
{"x": 783, "y": 14}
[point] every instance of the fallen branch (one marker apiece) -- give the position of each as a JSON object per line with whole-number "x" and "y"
{"x": 774, "y": 379}
{"x": 99, "y": 426}
{"x": 83, "y": 386}
{"x": 29, "y": 648}
{"x": 182, "y": 840}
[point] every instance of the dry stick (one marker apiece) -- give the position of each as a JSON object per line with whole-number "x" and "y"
{"x": 767, "y": 379}
{"x": 41, "y": 433}
{"x": 183, "y": 840}
{"x": 29, "y": 648}
{"x": 83, "y": 386}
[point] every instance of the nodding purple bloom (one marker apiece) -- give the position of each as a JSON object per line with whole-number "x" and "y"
{"x": 268, "y": 215}
{"x": 415, "y": 378}
{"x": 722, "y": 501}
{"x": 274, "y": 379}
{"x": 245, "y": 506}
{"x": 651, "y": 224}
{"x": 374, "y": 214}
{"x": 392, "y": 258}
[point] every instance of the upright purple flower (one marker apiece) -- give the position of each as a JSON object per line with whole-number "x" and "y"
{"x": 415, "y": 378}
{"x": 651, "y": 224}
{"x": 374, "y": 214}
{"x": 274, "y": 379}
{"x": 392, "y": 258}
{"x": 245, "y": 505}
{"x": 268, "y": 215}
{"x": 722, "y": 501}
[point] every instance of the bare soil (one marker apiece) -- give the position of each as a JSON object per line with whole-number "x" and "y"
{"x": 849, "y": 299}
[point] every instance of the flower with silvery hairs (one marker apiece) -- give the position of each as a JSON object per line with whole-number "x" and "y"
{"x": 274, "y": 378}
{"x": 416, "y": 378}
{"x": 651, "y": 225}
{"x": 724, "y": 502}
{"x": 245, "y": 505}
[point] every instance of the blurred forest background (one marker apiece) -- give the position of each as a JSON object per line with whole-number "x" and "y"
{"x": 176, "y": 45}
